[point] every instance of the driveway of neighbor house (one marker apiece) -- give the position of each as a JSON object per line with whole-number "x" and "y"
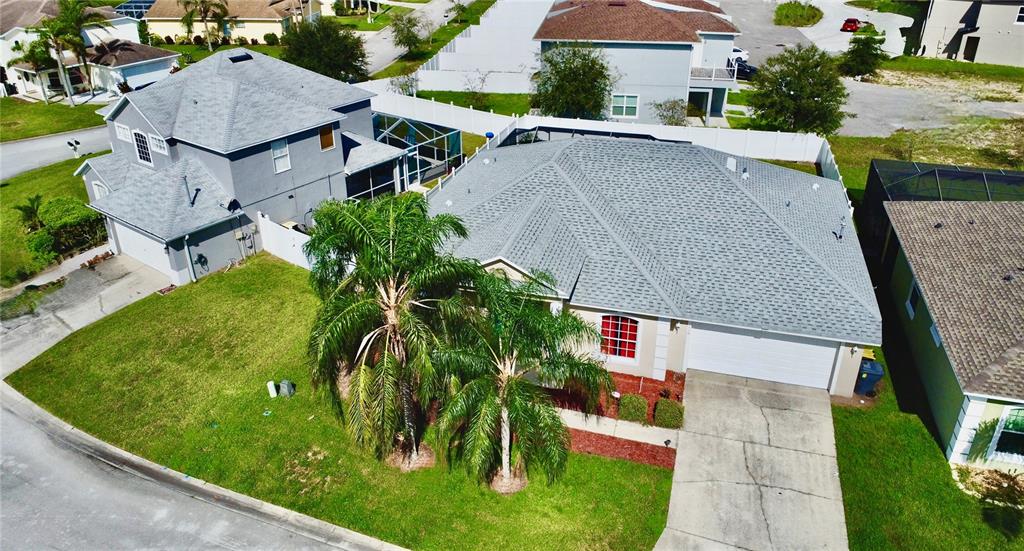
{"x": 87, "y": 295}
{"x": 827, "y": 36}
{"x": 755, "y": 468}
{"x": 760, "y": 36}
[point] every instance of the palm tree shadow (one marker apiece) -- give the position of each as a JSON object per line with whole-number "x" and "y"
{"x": 1008, "y": 521}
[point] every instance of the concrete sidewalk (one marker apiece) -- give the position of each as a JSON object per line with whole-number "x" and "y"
{"x": 755, "y": 469}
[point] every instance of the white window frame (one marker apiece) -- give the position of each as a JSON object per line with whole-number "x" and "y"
{"x": 157, "y": 144}
{"x": 625, "y": 106}
{"x": 1020, "y": 16}
{"x": 935, "y": 335}
{"x": 1004, "y": 457}
{"x": 123, "y": 132}
{"x": 274, "y": 156}
{"x": 911, "y": 311}
{"x": 612, "y": 358}
{"x": 149, "y": 149}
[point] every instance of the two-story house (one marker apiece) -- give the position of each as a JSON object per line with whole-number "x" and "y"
{"x": 659, "y": 50}
{"x": 197, "y": 155}
{"x": 986, "y": 31}
{"x": 113, "y": 56}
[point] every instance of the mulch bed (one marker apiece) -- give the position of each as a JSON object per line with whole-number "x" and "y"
{"x": 650, "y": 389}
{"x": 619, "y": 448}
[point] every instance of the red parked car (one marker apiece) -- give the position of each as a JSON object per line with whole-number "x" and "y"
{"x": 852, "y": 25}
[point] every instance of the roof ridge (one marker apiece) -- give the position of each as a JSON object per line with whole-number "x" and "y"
{"x": 588, "y": 202}
{"x": 867, "y": 305}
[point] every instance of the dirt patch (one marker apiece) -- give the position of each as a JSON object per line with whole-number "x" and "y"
{"x": 513, "y": 484}
{"x": 992, "y": 485}
{"x": 305, "y": 471}
{"x": 960, "y": 90}
{"x": 403, "y": 461}
{"x": 619, "y": 448}
{"x": 858, "y": 401}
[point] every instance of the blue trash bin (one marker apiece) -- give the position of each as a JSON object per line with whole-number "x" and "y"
{"x": 870, "y": 373}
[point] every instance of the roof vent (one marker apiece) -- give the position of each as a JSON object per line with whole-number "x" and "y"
{"x": 838, "y": 232}
{"x": 240, "y": 58}
{"x": 816, "y": 186}
{"x": 1008, "y": 278}
{"x": 195, "y": 195}
{"x": 938, "y": 225}
{"x": 620, "y": 3}
{"x": 745, "y": 173}
{"x": 730, "y": 163}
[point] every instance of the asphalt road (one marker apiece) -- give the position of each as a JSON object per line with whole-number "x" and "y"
{"x": 17, "y": 157}
{"x": 379, "y": 47}
{"x": 53, "y": 497}
{"x": 760, "y": 36}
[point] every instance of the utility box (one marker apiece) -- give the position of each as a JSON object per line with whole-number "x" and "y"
{"x": 286, "y": 389}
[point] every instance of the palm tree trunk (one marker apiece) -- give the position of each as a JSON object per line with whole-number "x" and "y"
{"x": 65, "y": 79}
{"x": 409, "y": 412}
{"x": 206, "y": 29}
{"x": 506, "y": 446}
{"x": 44, "y": 85}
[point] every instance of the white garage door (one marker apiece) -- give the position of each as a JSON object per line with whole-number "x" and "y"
{"x": 145, "y": 250}
{"x": 760, "y": 355}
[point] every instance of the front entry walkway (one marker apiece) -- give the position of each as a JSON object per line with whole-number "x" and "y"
{"x": 755, "y": 468}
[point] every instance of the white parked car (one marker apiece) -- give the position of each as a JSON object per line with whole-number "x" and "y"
{"x": 740, "y": 54}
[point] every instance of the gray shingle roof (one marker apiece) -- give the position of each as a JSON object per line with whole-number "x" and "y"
{"x": 368, "y": 153}
{"x": 116, "y": 170}
{"x": 225, "y": 106}
{"x": 160, "y": 203}
{"x": 960, "y": 268}
{"x": 666, "y": 229}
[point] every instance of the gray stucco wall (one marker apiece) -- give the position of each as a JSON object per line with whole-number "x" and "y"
{"x": 651, "y": 71}
{"x": 715, "y": 50}
{"x": 360, "y": 118}
{"x": 130, "y": 117}
{"x": 217, "y": 244}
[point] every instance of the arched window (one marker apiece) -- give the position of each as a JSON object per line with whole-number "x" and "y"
{"x": 618, "y": 336}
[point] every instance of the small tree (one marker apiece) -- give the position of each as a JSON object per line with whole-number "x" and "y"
{"x": 672, "y": 112}
{"x": 29, "y": 212}
{"x": 458, "y": 10}
{"x": 864, "y": 57}
{"x": 428, "y": 27}
{"x": 573, "y": 82}
{"x": 475, "y": 84}
{"x": 326, "y": 47}
{"x": 799, "y": 90}
{"x": 404, "y": 84}
{"x": 405, "y": 31}
{"x": 144, "y": 36}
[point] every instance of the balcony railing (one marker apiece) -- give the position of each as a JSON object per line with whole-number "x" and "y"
{"x": 713, "y": 73}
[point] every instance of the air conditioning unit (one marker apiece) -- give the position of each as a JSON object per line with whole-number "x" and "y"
{"x": 290, "y": 225}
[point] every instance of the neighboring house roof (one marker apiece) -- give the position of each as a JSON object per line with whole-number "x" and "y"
{"x": 238, "y": 98}
{"x": 368, "y": 153}
{"x": 169, "y": 203}
{"x": 968, "y": 260}
{"x": 115, "y": 53}
{"x": 239, "y": 9}
{"x": 627, "y": 21}
{"x": 28, "y": 13}
{"x": 668, "y": 230}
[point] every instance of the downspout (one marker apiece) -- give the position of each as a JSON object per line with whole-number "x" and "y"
{"x": 191, "y": 267}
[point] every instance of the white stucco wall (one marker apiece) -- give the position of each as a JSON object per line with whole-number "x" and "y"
{"x": 1001, "y": 38}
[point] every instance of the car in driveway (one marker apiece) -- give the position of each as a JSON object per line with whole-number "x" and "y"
{"x": 740, "y": 54}
{"x": 744, "y": 70}
{"x": 852, "y": 25}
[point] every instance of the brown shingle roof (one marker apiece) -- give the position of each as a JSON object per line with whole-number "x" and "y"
{"x": 628, "y": 21}
{"x": 971, "y": 274}
{"x": 241, "y": 9}
{"x": 115, "y": 53}
{"x": 28, "y": 13}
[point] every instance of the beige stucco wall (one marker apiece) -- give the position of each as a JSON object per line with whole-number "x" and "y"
{"x": 1001, "y": 38}
{"x": 645, "y": 364}
{"x": 846, "y": 374}
{"x": 247, "y": 29}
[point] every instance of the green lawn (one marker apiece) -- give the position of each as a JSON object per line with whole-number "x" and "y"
{"x": 470, "y": 142}
{"x": 909, "y": 8}
{"x": 21, "y": 119}
{"x": 955, "y": 69}
{"x": 192, "y": 395}
{"x": 410, "y": 61}
{"x": 503, "y": 104}
{"x": 739, "y": 97}
{"x": 809, "y": 168}
{"x": 897, "y": 488}
{"x": 380, "y": 20}
{"x": 797, "y": 14}
{"x": 191, "y": 53}
{"x": 16, "y": 263}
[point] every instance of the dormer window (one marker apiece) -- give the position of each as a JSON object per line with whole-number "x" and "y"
{"x": 142, "y": 149}
{"x": 326, "y": 138}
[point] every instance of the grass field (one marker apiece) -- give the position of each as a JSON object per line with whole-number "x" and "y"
{"x": 797, "y": 14}
{"x": 192, "y": 395}
{"x": 410, "y": 61}
{"x": 191, "y": 53}
{"x": 21, "y": 119}
{"x": 503, "y": 104}
{"x": 380, "y": 20}
{"x": 950, "y": 68}
{"x": 16, "y": 262}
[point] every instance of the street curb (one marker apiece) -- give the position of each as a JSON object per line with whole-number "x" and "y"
{"x": 342, "y": 538}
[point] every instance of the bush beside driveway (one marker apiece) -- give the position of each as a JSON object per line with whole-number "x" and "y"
{"x": 181, "y": 380}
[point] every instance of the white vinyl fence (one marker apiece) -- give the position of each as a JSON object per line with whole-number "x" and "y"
{"x": 282, "y": 242}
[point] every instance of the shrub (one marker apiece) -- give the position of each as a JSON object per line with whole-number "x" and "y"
{"x": 668, "y": 414}
{"x": 254, "y": 42}
{"x": 124, "y": 87}
{"x": 633, "y": 407}
{"x": 864, "y": 57}
{"x": 270, "y": 39}
{"x": 796, "y": 14}
{"x": 198, "y": 40}
{"x": 225, "y": 41}
{"x": 169, "y": 40}
{"x": 156, "y": 40}
{"x": 71, "y": 224}
{"x": 241, "y": 41}
{"x": 798, "y": 90}
{"x": 40, "y": 244}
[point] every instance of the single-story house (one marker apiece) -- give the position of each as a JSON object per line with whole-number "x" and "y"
{"x": 684, "y": 257}
{"x": 248, "y": 19}
{"x": 958, "y": 287}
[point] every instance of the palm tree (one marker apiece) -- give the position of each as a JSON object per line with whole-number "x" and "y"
{"x": 29, "y": 212}
{"x": 54, "y": 34}
{"x": 385, "y": 292}
{"x": 205, "y": 11}
{"x": 73, "y": 17}
{"x": 506, "y": 352}
{"x": 37, "y": 56}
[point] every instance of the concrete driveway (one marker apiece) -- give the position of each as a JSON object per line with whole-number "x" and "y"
{"x": 756, "y": 468}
